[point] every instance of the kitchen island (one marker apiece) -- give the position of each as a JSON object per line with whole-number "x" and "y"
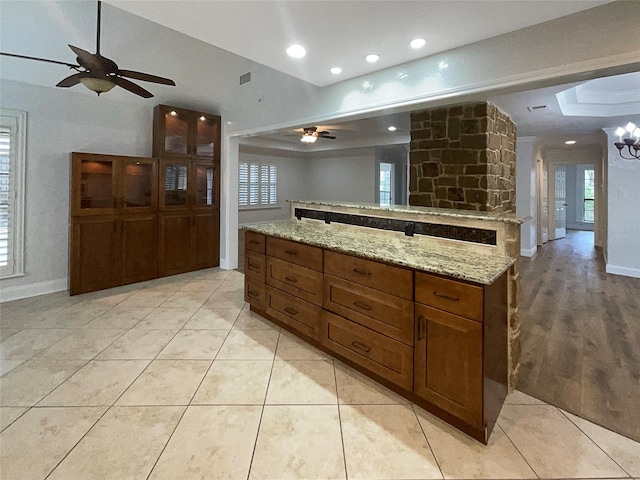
{"x": 425, "y": 315}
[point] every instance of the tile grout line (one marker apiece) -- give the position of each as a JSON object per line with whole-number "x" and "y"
{"x": 413, "y": 409}
{"x": 255, "y": 443}
{"x": 517, "y": 450}
{"x": 344, "y": 452}
{"x": 594, "y": 442}
{"x": 189, "y": 404}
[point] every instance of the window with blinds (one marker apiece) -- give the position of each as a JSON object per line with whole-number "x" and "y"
{"x": 12, "y": 139}
{"x": 258, "y": 184}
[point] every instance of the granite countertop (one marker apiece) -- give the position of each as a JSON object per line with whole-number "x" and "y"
{"x": 424, "y": 254}
{"x": 411, "y": 210}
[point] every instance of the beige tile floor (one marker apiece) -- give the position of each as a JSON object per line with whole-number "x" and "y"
{"x": 176, "y": 379}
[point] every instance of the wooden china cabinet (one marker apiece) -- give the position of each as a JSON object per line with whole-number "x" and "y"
{"x": 113, "y": 221}
{"x": 138, "y": 218}
{"x": 188, "y": 145}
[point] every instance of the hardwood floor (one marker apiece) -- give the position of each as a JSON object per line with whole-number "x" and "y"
{"x": 581, "y": 334}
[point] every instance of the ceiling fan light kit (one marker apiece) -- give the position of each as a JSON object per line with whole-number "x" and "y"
{"x": 100, "y": 74}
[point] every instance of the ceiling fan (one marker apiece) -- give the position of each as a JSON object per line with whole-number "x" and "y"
{"x": 311, "y": 134}
{"x": 99, "y": 73}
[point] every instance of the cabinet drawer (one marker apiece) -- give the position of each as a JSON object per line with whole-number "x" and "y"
{"x": 302, "y": 316}
{"x": 298, "y": 281}
{"x": 450, "y": 295}
{"x": 386, "y": 278}
{"x": 377, "y": 353}
{"x": 295, "y": 252}
{"x": 255, "y": 292}
{"x": 254, "y": 241}
{"x": 255, "y": 265}
{"x": 384, "y": 313}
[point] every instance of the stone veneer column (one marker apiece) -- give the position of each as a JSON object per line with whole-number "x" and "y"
{"x": 464, "y": 157}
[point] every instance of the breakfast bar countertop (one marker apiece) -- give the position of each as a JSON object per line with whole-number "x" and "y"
{"x": 424, "y": 254}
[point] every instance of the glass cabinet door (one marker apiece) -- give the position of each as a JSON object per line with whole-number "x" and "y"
{"x": 206, "y": 135}
{"x": 205, "y": 185}
{"x": 139, "y": 184}
{"x": 174, "y": 184}
{"x": 95, "y": 177}
{"x": 176, "y": 137}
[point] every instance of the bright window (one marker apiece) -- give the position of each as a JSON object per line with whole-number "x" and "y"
{"x": 588, "y": 211}
{"x": 12, "y": 158}
{"x": 258, "y": 184}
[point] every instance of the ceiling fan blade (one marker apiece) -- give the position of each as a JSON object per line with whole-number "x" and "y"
{"x": 39, "y": 59}
{"x": 132, "y": 87}
{"x": 145, "y": 77}
{"x": 323, "y": 133}
{"x": 86, "y": 57}
{"x": 72, "y": 80}
{"x": 330, "y": 137}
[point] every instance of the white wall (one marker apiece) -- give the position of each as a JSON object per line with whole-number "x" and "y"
{"x": 526, "y": 194}
{"x": 623, "y": 240}
{"x": 349, "y": 177}
{"x": 292, "y": 184}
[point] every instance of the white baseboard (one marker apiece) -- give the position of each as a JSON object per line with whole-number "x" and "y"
{"x": 528, "y": 252}
{"x": 33, "y": 289}
{"x": 625, "y": 271}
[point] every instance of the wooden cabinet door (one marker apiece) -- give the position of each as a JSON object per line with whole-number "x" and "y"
{"x": 175, "y": 184}
{"x": 205, "y": 185}
{"x": 174, "y": 243}
{"x": 138, "y": 185}
{"x": 139, "y": 247}
{"x": 448, "y": 363}
{"x": 206, "y": 239}
{"x": 94, "y": 253}
{"x": 94, "y": 184}
{"x": 172, "y": 133}
{"x": 205, "y": 141}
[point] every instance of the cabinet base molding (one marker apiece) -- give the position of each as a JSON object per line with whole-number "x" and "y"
{"x": 480, "y": 435}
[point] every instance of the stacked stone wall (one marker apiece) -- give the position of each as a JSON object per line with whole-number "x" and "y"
{"x": 463, "y": 157}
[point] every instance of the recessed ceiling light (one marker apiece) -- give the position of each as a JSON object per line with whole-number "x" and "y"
{"x": 392, "y": 128}
{"x": 570, "y": 142}
{"x": 418, "y": 43}
{"x": 336, "y": 70}
{"x": 372, "y": 58}
{"x": 296, "y": 51}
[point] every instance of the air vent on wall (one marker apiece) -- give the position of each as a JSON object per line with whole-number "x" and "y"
{"x": 537, "y": 108}
{"x": 246, "y": 78}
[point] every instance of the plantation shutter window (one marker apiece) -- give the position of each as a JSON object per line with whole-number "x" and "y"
{"x": 257, "y": 184}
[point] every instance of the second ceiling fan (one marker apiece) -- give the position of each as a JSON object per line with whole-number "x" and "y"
{"x": 100, "y": 74}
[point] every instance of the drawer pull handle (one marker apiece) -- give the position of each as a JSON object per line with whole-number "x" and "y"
{"x": 361, "y": 346}
{"x": 291, "y": 279}
{"x": 290, "y": 311}
{"x": 253, "y": 293}
{"x": 362, "y": 305}
{"x": 254, "y": 265}
{"x": 446, "y": 297}
{"x": 254, "y": 242}
{"x": 422, "y": 327}
{"x": 361, "y": 272}
{"x": 290, "y": 252}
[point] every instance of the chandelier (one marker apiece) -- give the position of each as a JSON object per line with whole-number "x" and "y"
{"x": 632, "y": 143}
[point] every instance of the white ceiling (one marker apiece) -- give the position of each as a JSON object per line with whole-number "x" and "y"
{"x": 549, "y": 125}
{"x": 341, "y": 32}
